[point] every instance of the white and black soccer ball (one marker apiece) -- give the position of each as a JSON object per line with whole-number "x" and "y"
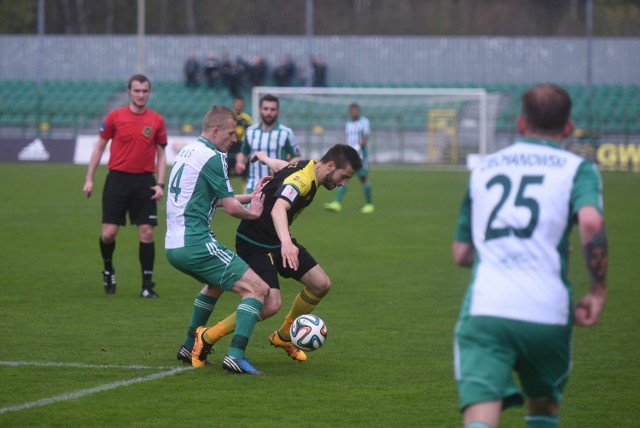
{"x": 308, "y": 332}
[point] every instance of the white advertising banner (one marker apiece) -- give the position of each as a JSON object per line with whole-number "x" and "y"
{"x": 86, "y": 143}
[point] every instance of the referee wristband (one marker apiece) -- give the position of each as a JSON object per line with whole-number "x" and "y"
{"x": 161, "y": 185}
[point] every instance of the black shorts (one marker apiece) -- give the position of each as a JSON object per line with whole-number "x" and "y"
{"x": 130, "y": 193}
{"x": 267, "y": 262}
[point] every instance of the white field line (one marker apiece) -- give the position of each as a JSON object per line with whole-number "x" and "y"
{"x": 85, "y": 392}
{"x": 82, "y": 365}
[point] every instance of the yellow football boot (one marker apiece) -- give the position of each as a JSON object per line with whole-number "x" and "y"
{"x": 289, "y": 347}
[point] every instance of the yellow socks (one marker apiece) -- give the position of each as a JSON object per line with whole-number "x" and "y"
{"x": 224, "y": 327}
{"x": 304, "y": 303}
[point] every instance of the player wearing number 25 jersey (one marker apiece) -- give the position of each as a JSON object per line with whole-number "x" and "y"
{"x": 513, "y": 230}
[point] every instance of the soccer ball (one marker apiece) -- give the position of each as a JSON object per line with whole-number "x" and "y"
{"x": 308, "y": 332}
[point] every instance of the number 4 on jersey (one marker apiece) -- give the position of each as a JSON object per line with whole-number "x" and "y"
{"x": 174, "y": 186}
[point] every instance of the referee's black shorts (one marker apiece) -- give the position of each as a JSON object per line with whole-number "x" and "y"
{"x": 129, "y": 193}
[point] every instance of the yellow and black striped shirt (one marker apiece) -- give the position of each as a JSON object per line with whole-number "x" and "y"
{"x": 296, "y": 184}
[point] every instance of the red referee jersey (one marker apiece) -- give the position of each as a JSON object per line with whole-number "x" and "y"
{"x": 133, "y": 139}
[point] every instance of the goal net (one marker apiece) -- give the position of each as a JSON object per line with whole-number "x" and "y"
{"x": 408, "y": 126}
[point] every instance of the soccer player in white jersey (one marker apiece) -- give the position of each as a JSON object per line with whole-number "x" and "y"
{"x": 198, "y": 184}
{"x": 269, "y": 136}
{"x": 357, "y": 133}
{"x": 513, "y": 230}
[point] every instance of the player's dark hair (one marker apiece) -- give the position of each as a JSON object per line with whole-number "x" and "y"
{"x": 139, "y": 78}
{"x": 546, "y": 109}
{"x": 270, "y": 98}
{"x": 215, "y": 118}
{"x": 356, "y": 105}
{"x": 343, "y": 155}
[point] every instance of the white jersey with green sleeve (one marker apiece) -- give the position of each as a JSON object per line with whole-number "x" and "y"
{"x": 354, "y": 131}
{"x": 518, "y": 212}
{"x": 197, "y": 182}
{"x": 278, "y": 143}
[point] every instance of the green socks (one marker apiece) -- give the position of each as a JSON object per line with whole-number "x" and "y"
{"x": 247, "y": 316}
{"x": 202, "y": 308}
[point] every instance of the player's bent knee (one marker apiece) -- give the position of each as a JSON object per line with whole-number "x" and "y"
{"x": 317, "y": 281}
{"x": 269, "y": 310}
{"x": 261, "y": 289}
{"x": 325, "y": 284}
{"x": 272, "y": 304}
{"x": 250, "y": 285}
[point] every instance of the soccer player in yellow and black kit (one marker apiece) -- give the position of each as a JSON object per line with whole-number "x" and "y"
{"x": 269, "y": 249}
{"x": 242, "y": 123}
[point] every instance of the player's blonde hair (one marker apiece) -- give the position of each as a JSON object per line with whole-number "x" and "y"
{"x": 217, "y": 118}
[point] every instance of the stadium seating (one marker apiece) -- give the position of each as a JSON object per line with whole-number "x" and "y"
{"x": 53, "y": 104}
{"x": 78, "y": 104}
{"x": 184, "y": 108}
{"x": 612, "y": 109}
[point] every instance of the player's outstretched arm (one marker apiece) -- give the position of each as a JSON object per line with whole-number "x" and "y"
{"x": 593, "y": 237}
{"x": 246, "y": 199}
{"x": 274, "y": 164}
{"x": 235, "y": 209}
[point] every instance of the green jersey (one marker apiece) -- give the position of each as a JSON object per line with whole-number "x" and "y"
{"x": 518, "y": 213}
{"x": 197, "y": 182}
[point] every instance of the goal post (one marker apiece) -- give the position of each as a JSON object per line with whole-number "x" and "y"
{"x": 408, "y": 125}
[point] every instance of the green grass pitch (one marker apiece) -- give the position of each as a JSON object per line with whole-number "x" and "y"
{"x": 98, "y": 360}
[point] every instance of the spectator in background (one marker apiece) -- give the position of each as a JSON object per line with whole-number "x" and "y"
{"x": 319, "y": 71}
{"x": 212, "y": 70}
{"x": 280, "y": 73}
{"x": 138, "y": 139}
{"x": 291, "y": 70}
{"x": 243, "y": 69}
{"x": 191, "y": 70}
{"x": 258, "y": 71}
{"x": 285, "y": 72}
{"x": 225, "y": 70}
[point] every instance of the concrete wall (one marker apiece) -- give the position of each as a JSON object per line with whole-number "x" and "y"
{"x": 360, "y": 59}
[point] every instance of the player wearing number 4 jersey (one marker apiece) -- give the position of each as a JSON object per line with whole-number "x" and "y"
{"x": 513, "y": 229}
{"x": 197, "y": 185}
{"x": 267, "y": 246}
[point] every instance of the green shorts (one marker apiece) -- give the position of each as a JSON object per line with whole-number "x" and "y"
{"x": 210, "y": 263}
{"x": 364, "y": 171}
{"x": 488, "y": 350}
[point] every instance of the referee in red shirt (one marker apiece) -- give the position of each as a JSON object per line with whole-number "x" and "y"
{"x": 138, "y": 138}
